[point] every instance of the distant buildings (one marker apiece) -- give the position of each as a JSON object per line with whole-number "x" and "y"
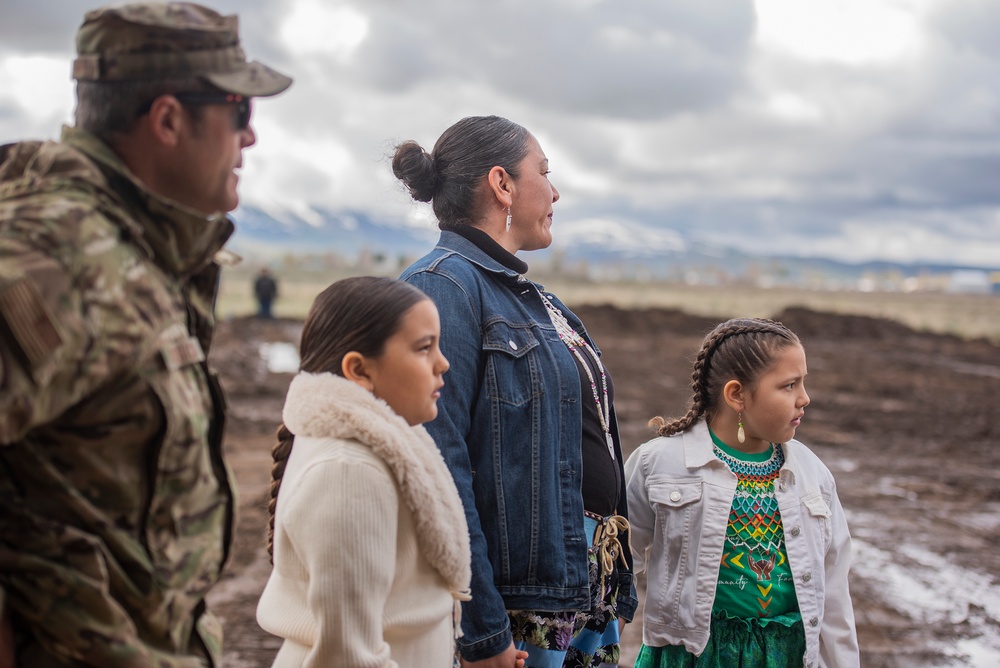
{"x": 970, "y": 281}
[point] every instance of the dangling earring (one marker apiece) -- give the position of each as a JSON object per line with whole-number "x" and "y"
{"x": 740, "y": 434}
{"x": 508, "y": 219}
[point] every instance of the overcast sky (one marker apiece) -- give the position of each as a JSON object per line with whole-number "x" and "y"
{"x": 852, "y": 129}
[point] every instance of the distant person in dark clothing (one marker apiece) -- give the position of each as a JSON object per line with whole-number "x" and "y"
{"x": 265, "y": 288}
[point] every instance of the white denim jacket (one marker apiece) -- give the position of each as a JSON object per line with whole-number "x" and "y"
{"x": 679, "y": 497}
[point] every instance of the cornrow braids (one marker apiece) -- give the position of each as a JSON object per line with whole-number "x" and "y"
{"x": 280, "y": 455}
{"x": 738, "y": 349}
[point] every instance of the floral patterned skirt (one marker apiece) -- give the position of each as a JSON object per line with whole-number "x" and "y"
{"x": 586, "y": 638}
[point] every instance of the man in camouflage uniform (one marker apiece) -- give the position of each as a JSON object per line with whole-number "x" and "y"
{"x": 117, "y": 508}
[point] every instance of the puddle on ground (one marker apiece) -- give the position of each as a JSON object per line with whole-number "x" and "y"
{"x": 973, "y": 369}
{"x": 932, "y": 591}
{"x": 280, "y": 357}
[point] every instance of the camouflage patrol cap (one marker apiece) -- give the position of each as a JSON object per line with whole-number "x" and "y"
{"x": 149, "y": 41}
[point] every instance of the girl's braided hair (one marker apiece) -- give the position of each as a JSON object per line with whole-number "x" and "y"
{"x": 738, "y": 349}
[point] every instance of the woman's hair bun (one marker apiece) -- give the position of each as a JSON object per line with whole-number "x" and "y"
{"x": 415, "y": 168}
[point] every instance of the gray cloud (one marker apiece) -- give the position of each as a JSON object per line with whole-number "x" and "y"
{"x": 635, "y": 60}
{"x": 970, "y": 24}
{"x": 38, "y": 26}
{"x": 662, "y": 113}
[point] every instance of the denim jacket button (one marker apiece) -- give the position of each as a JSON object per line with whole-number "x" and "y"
{"x": 814, "y": 621}
{"x": 513, "y": 346}
{"x": 675, "y": 496}
{"x": 796, "y": 531}
{"x": 807, "y": 577}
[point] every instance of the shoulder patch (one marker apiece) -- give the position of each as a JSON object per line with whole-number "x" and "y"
{"x": 22, "y": 308}
{"x": 179, "y": 349}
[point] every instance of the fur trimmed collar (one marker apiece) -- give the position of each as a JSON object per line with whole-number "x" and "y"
{"x": 325, "y": 405}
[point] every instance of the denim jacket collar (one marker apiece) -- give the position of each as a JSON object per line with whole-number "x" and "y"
{"x": 697, "y": 445}
{"x": 458, "y": 245}
{"x": 491, "y": 247}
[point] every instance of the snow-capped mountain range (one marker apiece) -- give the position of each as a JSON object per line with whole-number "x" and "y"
{"x": 636, "y": 250}
{"x": 262, "y": 234}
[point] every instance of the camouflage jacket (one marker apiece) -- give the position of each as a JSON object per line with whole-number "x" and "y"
{"x": 117, "y": 506}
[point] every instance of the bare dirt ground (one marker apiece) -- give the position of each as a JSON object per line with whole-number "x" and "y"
{"x": 908, "y": 422}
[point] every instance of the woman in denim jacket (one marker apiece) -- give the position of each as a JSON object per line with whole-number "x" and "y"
{"x": 526, "y": 423}
{"x": 737, "y": 525}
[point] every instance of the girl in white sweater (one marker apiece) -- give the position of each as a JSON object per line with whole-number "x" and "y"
{"x": 367, "y": 532}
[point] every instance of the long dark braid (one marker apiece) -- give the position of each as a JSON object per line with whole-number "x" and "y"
{"x": 738, "y": 349}
{"x": 280, "y": 453}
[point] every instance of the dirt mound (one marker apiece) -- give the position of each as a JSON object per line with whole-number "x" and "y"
{"x": 813, "y": 325}
{"x": 649, "y": 321}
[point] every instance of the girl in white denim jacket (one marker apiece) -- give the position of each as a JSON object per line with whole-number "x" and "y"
{"x": 737, "y": 525}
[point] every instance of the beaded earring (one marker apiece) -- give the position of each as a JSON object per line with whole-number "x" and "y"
{"x": 740, "y": 434}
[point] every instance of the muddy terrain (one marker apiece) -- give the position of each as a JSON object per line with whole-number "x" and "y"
{"x": 908, "y": 422}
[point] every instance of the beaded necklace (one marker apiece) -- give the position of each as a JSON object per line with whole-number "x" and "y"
{"x": 769, "y": 466}
{"x": 755, "y": 520}
{"x": 574, "y": 342}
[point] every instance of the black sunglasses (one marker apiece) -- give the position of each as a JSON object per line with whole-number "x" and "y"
{"x": 241, "y": 113}
{"x": 241, "y": 110}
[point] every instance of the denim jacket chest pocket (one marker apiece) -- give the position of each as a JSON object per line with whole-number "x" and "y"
{"x": 513, "y": 373}
{"x": 671, "y": 495}
{"x": 677, "y": 504}
{"x": 818, "y": 511}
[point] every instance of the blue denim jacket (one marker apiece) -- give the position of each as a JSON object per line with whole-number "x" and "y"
{"x": 509, "y": 426}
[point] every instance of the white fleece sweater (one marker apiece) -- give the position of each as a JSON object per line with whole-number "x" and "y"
{"x": 371, "y": 547}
